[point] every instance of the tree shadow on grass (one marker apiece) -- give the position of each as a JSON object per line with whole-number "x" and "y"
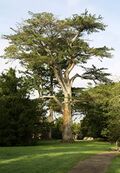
{"x": 43, "y": 163}
{"x": 46, "y": 159}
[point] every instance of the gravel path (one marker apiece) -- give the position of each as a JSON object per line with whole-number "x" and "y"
{"x": 95, "y": 164}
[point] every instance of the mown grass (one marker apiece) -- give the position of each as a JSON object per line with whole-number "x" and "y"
{"x": 47, "y": 157}
{"x": 115, "y": 166}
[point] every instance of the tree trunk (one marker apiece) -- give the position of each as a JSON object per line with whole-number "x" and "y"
{"x": 66, "y": 83}
{"x": 67, "y": 121}
{"x": 50, "y": 134}
{"x": 50, "y": 120}
{"x": 51, "y": 109}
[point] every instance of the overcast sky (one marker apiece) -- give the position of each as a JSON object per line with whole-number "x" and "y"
{"x": 13, "y": 11}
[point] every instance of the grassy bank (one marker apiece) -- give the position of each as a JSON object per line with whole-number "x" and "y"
{"x": 47, "y": 157}
{"x": 115, "y": 166}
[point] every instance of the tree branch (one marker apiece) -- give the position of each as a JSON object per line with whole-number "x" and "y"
{"x": 74, "y": 77}
{"x": 69, "y": 68}
{"x": 75, "y": 37}
{"x": 55, "y": 98}
{"x": 60, "y": 79}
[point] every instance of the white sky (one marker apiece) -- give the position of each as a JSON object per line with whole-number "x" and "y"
{"x": 13, "y": 11}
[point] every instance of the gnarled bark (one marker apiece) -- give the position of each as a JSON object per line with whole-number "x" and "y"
{"x": 67, "y": 120}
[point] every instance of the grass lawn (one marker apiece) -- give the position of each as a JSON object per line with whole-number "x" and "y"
{"x": 49, "y": 157}
{"x": 115, "y": 166}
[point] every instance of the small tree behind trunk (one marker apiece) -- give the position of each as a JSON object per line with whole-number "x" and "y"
{"x": 50, "y": 120}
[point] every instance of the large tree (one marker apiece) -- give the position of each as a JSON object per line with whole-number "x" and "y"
{"x": 60, "y": 45}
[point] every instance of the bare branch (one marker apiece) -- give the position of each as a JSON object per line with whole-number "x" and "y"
{"x": 69, "y": 68}
{"x": 74, "y": 77}
{"x": 60, "y": 79}
{"x": 55, "y": 98}
{"x": 75, "y": 37}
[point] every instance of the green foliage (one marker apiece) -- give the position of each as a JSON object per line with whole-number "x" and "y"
{"x": 57, "y": 128}
{"x": 10, "y": 85}
{"x": 101, "y": 106}
{"x": 44, "y": 40}
{"x": 76, "y": 129}
{"x": 18, "y": 114}
{"x": 113, "y": 128}
{"x": 89, "y": 104}
{"x": 17, "y": 121}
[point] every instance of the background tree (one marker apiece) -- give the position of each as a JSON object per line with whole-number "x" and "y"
{"x": 113, "y": 124}
{"x": 57, "y": 128}
{"x": 19, "y": 116}
{"x": 100, "y": 107}
{"x": 43, "y": 81}
{"x": 94, "y": 108}
{"x": 60, "y": 45}
{"x": 76, "y": 130}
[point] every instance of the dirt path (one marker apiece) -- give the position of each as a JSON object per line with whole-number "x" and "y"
{"x": 95, "y": 164}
